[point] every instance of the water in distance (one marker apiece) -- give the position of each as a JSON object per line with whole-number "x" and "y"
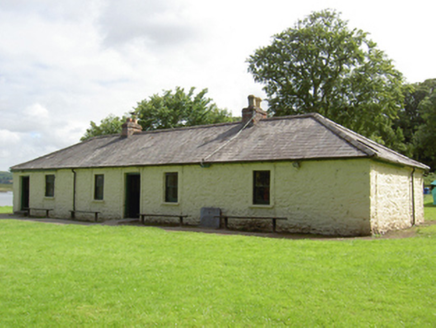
{"x": 6, "y": 198}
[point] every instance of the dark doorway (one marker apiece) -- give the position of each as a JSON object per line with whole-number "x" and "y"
{"x": 24, "y": 193}
{"x": 133, "y": 195}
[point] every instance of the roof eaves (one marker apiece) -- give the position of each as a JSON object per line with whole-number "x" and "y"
{"x": 18, "y": 167}
{"x": 412, "y": 163}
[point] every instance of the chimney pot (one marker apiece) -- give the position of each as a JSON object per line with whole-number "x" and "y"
{"x": 130, "y": 127}
{"x": 251, "y": 101}
{"x": 258, "y": 101}
{"x": 253, "y": 112}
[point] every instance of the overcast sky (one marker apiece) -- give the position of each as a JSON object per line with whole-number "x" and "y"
{"x": 66, "y": 63}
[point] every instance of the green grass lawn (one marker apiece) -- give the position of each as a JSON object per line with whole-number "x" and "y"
{"x": 429, "y": 208}
{"x": 5, "y": 209}
{"x": 87, "y": 276}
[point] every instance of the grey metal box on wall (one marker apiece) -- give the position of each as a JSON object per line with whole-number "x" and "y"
{"x": 209, "y": 217}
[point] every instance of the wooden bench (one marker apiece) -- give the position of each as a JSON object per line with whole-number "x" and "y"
{"x": 273, "y": 218}
{"x": 73, "y": 214}
{"x": 47, "y": 210}
{"x": 143, "y": 215}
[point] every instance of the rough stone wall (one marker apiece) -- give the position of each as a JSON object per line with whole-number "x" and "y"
{"x": 419, "y": 196}
{"x": 326, "y": 197}
{"x": 391, "y": 197}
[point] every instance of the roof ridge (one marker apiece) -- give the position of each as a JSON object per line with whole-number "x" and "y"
{"x": 188, "y": 127}
{"x": 338, "y": 130}
{"x": 361, "y": 142}
{"x": 288, "y": 117}
{"x": 386, "y": 148}
{"x": 102, "y": 136}
{"x": 271, "y": 139}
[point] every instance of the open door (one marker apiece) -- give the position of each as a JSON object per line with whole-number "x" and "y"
{"x": 133, "y": 195}
{"x": 25, "y": 193}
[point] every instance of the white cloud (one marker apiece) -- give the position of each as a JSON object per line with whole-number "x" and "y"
{"x": 36, "y": 111}
{"x": 8, "y": 137}
{"x": 65, "y": 63}
{"x": 156, "y": 23}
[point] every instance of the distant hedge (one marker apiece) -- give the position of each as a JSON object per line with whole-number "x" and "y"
{"x": 5, "y": 177}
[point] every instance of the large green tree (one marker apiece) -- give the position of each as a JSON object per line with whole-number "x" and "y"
{"x": 179, "y": 109}
{"x": 172, "y": 109}
{"x": 109, "y": 125}
{"x": 425, "y": 130}
{"x": 410, "y": 116}
{"x": 321, "y": 65}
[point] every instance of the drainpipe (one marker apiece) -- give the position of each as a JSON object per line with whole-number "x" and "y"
{"x": 413, "y": 196}
{"x": 74, "y": 190}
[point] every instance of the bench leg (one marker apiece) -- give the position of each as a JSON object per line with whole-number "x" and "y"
{"x": 142, "y": 219}
{"x": 73, "y": 215}
{"x": 96, "y": 217}
{"x": 181, "y": 221}
{"x": 274, "y": 225}
{"x": 46, "y": 213}
{"x": 226, "y": 221}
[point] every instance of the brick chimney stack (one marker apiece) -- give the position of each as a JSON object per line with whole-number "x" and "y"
{"x": 253, "y": 111}
{"x": 130, "y": 127}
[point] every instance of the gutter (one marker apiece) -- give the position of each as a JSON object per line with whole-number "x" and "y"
{"x": 74, "y": 189}
{"x": 412, "y": 177}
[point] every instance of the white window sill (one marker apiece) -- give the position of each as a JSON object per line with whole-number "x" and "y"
{"x": 261, "y": 206}
{"x": 171, "y": 204}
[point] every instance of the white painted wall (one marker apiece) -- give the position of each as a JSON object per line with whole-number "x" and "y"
{"x": 345, "y": 197}
{"x": 62, "y": 200}
{"x": 326, "y": 197}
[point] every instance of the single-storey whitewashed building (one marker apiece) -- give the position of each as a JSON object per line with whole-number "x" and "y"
{"x": 320, "y": 176}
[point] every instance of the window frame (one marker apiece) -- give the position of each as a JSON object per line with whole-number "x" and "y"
{"x": 170, "y": 189}
{"x": 261, "y": 188}
{"x": 99, "y": 187}
{"x": 50, "y": 185}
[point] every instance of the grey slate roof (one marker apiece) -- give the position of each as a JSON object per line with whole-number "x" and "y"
{"x": 299, "y": 137}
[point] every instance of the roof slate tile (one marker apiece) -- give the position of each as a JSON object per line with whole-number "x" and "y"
{"x": 309, "y": 136}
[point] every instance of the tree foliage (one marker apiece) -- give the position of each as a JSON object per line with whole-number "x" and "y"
{"x": 170, "y": 110}
{"x": 109, "y": 125}
{"x": 410, "y": 116}
{"x": 179, "y": 109}
{"x": 424, "y": 126}
{"x": 5, "y": 177}
{"x": 320, "y": 65}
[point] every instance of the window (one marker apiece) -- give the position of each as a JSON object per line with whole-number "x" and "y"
{"x": 261, "y": 187}
{"x": 49, "y": 185}
{"x": 98, "y": 186}
{"x": 171, "y": 186}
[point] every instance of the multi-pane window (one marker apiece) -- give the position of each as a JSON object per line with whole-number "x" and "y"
{"x": 171, "y": 186}
{"x": 49, "y": 185}
{"x": 261, "y": 187}
{"x": 98, "y": 186}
